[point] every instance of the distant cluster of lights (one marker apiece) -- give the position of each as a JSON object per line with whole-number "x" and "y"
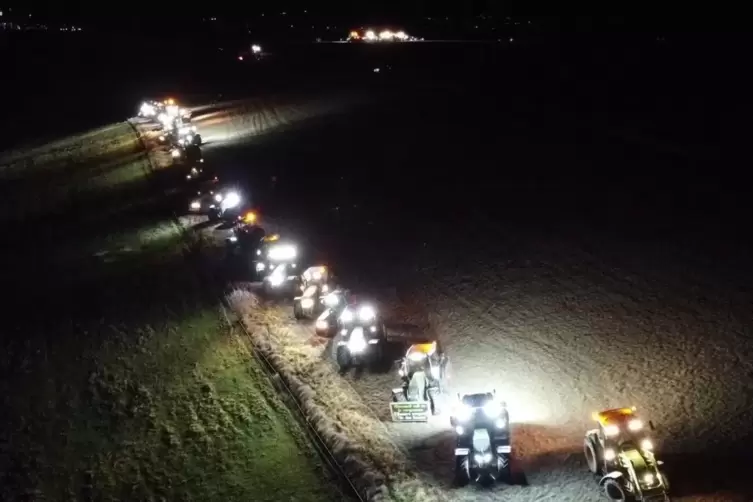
{"x": 381, "y": 36}
{"x": 7, "y": 26}
{"x": 255, "y": 50}
{"x": 18, "y": 26}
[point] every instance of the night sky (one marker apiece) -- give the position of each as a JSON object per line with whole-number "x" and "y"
{"x": 301, "y": 19}
{"x": 447, "y": 15}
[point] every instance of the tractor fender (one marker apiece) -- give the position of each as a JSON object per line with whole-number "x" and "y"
{"x": 615, "y": 475}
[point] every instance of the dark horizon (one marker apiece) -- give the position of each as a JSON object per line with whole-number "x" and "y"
{"x": 443, "y": 19}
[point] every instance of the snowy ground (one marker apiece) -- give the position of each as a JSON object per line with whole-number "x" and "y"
{"x": 560, "y": 322}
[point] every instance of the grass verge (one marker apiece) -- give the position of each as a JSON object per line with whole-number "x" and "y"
{"x": 79, "y": 173}
{"x": 360, "y": 442}
{"x": 124, "y": 383}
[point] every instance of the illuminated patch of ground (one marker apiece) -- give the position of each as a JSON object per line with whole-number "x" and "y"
{"x": 120, "y": 379}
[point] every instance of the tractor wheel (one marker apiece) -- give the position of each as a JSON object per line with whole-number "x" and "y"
{"x": 435, "y": 401}
{"x": 614, "y": 491}
{"x": 298, "y": 311}
{"x": 590, "y": 450}
{"x": 377, "y": 356}
{"x": 462, "y": 476}
{"x": 343, "y": 358}
{"x": 504, "y": 472}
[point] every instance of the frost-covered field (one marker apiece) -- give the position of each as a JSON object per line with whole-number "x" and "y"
{"x": 561, "y": 324}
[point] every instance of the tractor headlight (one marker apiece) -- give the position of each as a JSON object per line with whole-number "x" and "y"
{"x": 332, "y": 299}
{"x": 196, "y": 205}
{"x": 231, "y": 200}
{"x": 646, "y": 444}
{"x": 459, "y": 430}
{"x": 356, "y": 345}
{"x": 282, "y": 252}
{"x": 635, "y": 425}
{"x": 416, "y": 356}
{"x": 649, "y": 478}
{"x": 346, "y": 316}
{"x": 276, "y": 278}
{"x": 492, "y": 409}
{"x": 218, "y": 197}
{"x": 175, "y": 153}
{"x": 366, "y": 313}
{"x": 260, "y": 267}
{"x": 609, "y": 454}
{"x": 307, "y": 303}
{"x": 611, "y": 430}
{"x": 356, "y": 342}
{"x": 463, "y": 413}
